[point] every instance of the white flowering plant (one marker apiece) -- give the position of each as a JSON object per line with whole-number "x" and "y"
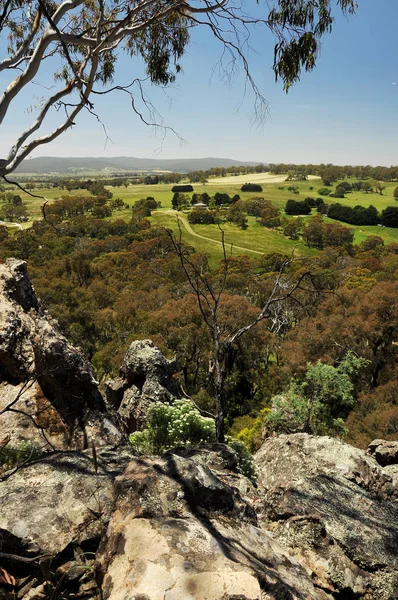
{"x": 175, "y": 424}
{"x": 181, "y": 424}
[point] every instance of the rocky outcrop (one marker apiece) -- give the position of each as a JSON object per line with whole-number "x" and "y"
{"x": 167, "y": 528}
{"x": 53, "y": 515}
{"x": 179, "y": 532}
{"x": 146, "y": 376}
{"x": 385, "y": 452}
{"x": 335, "y": 509}
{"x": 49, "y": 384}
{"x": 321, "y": 525}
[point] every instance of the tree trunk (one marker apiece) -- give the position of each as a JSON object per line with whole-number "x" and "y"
{"x": 219, "y": 379}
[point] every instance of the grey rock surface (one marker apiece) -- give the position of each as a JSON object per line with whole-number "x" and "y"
{"x": 384, "y": 451}
{"x": 335, "y": 508}
{"x": 56, "y": 391}
{"x": 179, "y": 532}
{"x": 55, "y": 501}
{"x": 146, "y": 376}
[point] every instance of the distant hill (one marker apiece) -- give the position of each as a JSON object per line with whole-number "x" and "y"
{"x": 69, "y": 165}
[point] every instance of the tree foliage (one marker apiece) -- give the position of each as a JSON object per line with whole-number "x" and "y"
{"x": 297, "y": 207}
{"x": 357, "y": 215}
{"x": 320, "y": 403}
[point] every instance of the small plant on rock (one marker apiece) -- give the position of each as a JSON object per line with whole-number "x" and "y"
{"x": 170, "y": 425}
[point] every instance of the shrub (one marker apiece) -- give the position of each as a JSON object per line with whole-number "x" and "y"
{"x": 251, "y": 187}
{"x": 201, "y": 216}
{"x": 344, "y": 185}
{"x": 324, "y": 191}
{"x": 182, "y": 188}
{"x": 249, "y": 429}
{"x": 245, "y": 459}
{"x": 339, "y": 193}
{"x": 321, "y": 402}
{"x": 295, "y": 207}
{"x": 322, "y": 208}
{"x": 170, "y": 425}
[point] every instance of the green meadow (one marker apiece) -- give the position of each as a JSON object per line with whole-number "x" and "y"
{"x": 253, "y": 241}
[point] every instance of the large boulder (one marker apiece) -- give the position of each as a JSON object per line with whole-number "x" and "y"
{"x": 53, "y": 514}
{"x": 335, "y": 509}
{"x": 384, "y": 451}
{"x": 50, "y": 384}
{"x": 55, "y": 501}
{"x": 181, "y": 532}
{"x": 146, "y": 376}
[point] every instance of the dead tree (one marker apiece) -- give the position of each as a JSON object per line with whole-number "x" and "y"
{"x": 209, "y": 297}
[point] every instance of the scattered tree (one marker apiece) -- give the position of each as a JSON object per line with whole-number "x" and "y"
{"x": 389, "y": 216}
{"x": 201, "y": 216}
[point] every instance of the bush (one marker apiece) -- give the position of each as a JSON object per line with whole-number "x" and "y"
{"x": 251, "y": 187}
{"x": 322, "y": 208}
{"x": 294, "y": 189}
{"x": 170, "y": 425}
{"x": 245, "y": 460}
{"x": 321, "y": 402}
{"x": 389, "y": 216}
{"x": 295, "y": 207}
{"x": 201, "y": 216}
{"x": 249, "y": 429}
{"x": 182, "y": 188}
{"x": 339, "y": 193}
{"x": 324, "y": 191}
{"x": 344, "y": 186}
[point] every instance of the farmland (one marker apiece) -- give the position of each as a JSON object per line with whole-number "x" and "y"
{"x": 255, "y": 239}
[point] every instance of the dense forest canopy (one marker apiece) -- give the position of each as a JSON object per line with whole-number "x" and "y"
{"x": 109, "y": 282}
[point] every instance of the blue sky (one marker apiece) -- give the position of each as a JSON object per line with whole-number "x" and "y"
{"x": 345, "y": 111}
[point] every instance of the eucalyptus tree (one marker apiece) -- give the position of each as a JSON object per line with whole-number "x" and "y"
{"x": 82, "y": 40}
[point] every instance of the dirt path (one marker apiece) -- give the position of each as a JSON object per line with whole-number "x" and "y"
{"x": 189, "y": 229}
{"x": 7, "y": 224}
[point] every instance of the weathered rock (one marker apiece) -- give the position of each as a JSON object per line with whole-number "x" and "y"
{"x": 392, "y": 471}
{"x": 384, "y": 451}
{"x": 336, "y": 509}
{"x": 31, "y": 403}
{"x": 180, "y": 533}
{"x": 59, "y": 500}
{"x": 56, "y": 388}
{"x": 146, "y": 376}
{"x": 53, "y": 514}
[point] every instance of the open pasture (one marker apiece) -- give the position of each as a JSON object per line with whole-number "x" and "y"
{"x": 256, "y": 238}
{"x": 239, "y": 180}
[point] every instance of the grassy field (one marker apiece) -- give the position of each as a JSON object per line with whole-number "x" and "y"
{"x": 255, "y": 238}
{"x": 252, "y": 178}
{"x": 253, "y": 242}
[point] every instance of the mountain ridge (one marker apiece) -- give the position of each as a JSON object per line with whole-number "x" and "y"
{"x": 53, "y": 164}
